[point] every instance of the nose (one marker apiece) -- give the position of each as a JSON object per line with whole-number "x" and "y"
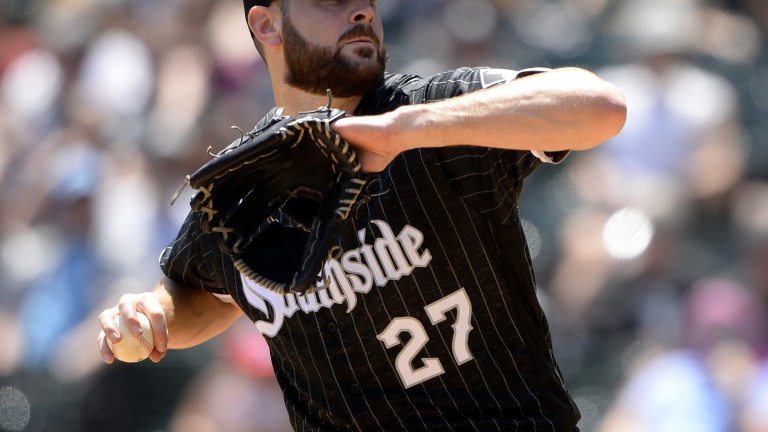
{"x": 364, "y": 13}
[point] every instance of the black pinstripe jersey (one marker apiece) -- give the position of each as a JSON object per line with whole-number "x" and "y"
{"x": 431, "y": 319}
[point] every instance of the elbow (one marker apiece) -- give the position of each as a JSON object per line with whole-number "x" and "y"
{"x": 599, "y": 110}
{"x": 614, "y": 110}
{"x": 607, "y": 115}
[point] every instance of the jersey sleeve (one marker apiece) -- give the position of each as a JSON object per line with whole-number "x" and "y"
{"x": 490, "y": 180}
{"x": 192, "y": 257}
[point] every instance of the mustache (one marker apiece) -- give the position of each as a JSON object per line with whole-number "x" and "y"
{"x": 361, "y": 30}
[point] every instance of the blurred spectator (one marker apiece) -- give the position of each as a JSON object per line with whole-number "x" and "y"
{"x": 704, "y": 383}
{"x": 636, "y": 225}
{"x": 683, "y": 131}
{"x": 651, "y": 193}
{"x": 65, "y": 289}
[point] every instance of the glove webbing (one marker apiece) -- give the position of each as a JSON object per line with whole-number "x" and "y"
{"x": 349, "y": 197}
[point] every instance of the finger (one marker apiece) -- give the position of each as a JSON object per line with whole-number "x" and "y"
{"x": 106, "y": 354}
{"x": 127, "y": 307}
{"x": 156, "y": 355}
{"x": 147, "y": 304}
{"x": 107, "y": 323}
{"x": 156, "y": 314}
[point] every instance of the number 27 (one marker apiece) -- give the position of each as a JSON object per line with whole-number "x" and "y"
{"x": 431, "y": 367}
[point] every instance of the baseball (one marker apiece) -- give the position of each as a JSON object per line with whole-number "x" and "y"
{"x": 132, "y": 349}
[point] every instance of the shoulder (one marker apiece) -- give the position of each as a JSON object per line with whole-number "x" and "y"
{"x": 407, "y": 89}
{"x": 441, "y": 85}
{"x": 404, "y": 89}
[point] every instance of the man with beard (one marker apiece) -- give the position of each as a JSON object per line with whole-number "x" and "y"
{"x": 431, "y": 319}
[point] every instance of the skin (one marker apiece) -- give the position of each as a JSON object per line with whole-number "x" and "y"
{"x": 566, "y": 109}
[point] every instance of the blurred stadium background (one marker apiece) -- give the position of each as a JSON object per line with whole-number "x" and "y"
{"x": 651, "y": 252}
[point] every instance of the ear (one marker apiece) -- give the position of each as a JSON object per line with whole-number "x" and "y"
{"x": 264, "y": 23}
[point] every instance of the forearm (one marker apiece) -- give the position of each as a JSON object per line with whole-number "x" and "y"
{"x": 193, "y": 316}
{"x": 558, "y": 110}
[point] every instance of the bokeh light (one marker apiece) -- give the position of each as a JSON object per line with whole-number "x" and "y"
{"x": 14, "y": 409}
{"x": 627, "y": 233}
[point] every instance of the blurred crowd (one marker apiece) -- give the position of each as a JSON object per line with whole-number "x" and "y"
{"x": 651, "y": 251}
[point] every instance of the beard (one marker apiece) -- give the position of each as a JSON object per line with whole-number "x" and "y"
{"x": 316, "y": 69}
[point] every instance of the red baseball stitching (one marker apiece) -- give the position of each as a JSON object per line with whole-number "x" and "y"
{"x": 142, "y": 340}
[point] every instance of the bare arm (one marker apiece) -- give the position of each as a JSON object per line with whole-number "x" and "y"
{"x": 193, "y": 316}
{"x": 180, "y": 317}
{"x": 565, "y": 109}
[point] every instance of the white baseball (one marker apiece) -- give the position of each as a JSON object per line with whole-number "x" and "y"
{"x": 132, "y": 349}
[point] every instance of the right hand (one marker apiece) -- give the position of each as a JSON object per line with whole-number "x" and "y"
{"x": 373, "y": 138}
{"x": 127, "y": 308}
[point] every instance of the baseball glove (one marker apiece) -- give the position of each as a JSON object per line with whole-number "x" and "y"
{"x": 277, "y": 197}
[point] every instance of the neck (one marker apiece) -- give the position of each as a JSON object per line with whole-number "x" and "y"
{"x": 296, "y": 101}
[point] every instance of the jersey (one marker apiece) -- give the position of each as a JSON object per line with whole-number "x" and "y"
{"x": 430, "y": 320}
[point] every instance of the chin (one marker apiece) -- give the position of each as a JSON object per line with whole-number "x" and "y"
{"x": 360, "y": 53}
{"x": 365, "y": 52}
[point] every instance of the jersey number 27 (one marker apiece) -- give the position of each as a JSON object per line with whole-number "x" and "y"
{"x": 430, "y": 366}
